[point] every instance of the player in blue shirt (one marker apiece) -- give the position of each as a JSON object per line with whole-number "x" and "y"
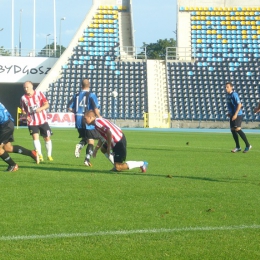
{"x": 236, "y": 115}
{"x": 81, "y": 102}
{"x": 6, "y": 138}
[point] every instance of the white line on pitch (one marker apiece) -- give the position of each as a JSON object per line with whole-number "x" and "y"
{"x": 127, "y": 232}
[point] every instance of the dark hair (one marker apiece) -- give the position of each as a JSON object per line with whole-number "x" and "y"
{"x": 229, "y": 83}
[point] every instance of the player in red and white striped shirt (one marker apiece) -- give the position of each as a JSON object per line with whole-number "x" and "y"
{"x": 112, "y": 139}
{"x": 34, "y": 105}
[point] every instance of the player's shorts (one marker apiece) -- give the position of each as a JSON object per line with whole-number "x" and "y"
{"x": 43, "y": 129}
{"x": 88, "y": 134}
{"x": 119, "y": 150}
{"x": 236, "y": 123}
{"x": 6, "y": 132}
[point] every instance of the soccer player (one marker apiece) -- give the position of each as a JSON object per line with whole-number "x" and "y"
{"x": 6, "y": 139}
{"x": 235, "y": 114}
{"x": 112, "y": 139}
{"x": 34, "y": 105}
{"x": 81, "y": 102}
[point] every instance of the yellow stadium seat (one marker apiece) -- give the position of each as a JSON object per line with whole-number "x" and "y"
{"x": 199, "y": 27}
{"x": 91, "y": 25}
{"x": 115, "y": 17}
{"x": 238, "y": 18}
{"x": 109, "y": 11}
{"x": 201, "y": 8}
{"x": 244, "y": 9}
{"x": 254, "y": 27}
{"x": 186, "y": 8}
{"x": 258, "y": 32}
{"x": 252, "y": 22}
{"x": 257, "y": 8}
{"x": 95, "y": 21}
{"x": 209, "y": 32}
{"x": 96, "y": 26}
{"x": 228, "y": 22}
{"x": 100, "y": 21}
{"x": 199, "y": 40}
{"x": 244, "y": 36}
{"x": 252, "y": 13}
{"x": 213, "y": 31}
{"x": 213, "y": 13}
{"x": 202, "y": 18}
{"x": 198, "y": 13}
{"x": 249, "y": 8}
{"x": 96, "y": 16}
{"x": 111, "y": 30}
{"x": 253, "y": 9}
{"x": 222, "y": 22}
{"x": 247, "y": 22}
{"x": 208, "y": 22}
{"x": 203, "y": 13}
{"x": 229, "y": 27}
{"x": 234, "y": 9}
{"x": 224, "y": 41}
{"x": 120, "y": 7}
{"x": 110, "y": 21}
{"x": 217, "y": 13}
{"x": 207, "y": 13}
{"x": 193, "y": 18}
{"x": 222, "y": 13}
{"x": 196, "y": 8}
{"x": 243, "y": 31}
{"x": 105, "y": 21}
{"x": 115, "y": 12}
{"x": 110, "y": 7}
{"x": 258, "y": 28}
{"x": 247, "y": 13}
{"x": 225, "y": 8}
{"x": 101, "y": 7}
{"x": 233, "y": 27}
{"x": 192, "y": 8}
{"x": 254, "y": 36}
{"x": 105, "y": 30}
{"x": 81, "y": 39}
{"x": 228, "y": 18}
{"x": 194, "y": 27}
{"x": 91, "y": 34}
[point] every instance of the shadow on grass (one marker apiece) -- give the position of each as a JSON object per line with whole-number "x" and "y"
{"x": 89, "y": 170}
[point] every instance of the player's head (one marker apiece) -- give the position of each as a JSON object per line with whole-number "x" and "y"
{"x": 229, "y": 87}
{"x": 90, "y": 117}
{"x": 85, "y": 84}
{"x": 28, "y": 87}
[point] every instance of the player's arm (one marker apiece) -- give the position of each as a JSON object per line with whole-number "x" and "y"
{"x": 239, "y": 105}
{"x": 43, "y": 107}
{"x": 99, "y": 144}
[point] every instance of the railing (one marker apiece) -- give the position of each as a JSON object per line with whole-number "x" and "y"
{"x": 30, "y": 53}
{"x": 180, "y": 54}
{"x": 131, "y": 52}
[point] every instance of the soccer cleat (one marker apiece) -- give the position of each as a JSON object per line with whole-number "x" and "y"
{"x": 114, "y": 169}
{"x": 236, "y": 150}
{"x": 247, "y": 149}
{"x": 12, "y": 168}
{"x": 77, "y": 150}
{"x": 50, "y": 158}
{"x": 87, "y": 163}
{"x": 35, "y": 156}
{"x": 144, "y": 167}
{"x": 41, "y": 158}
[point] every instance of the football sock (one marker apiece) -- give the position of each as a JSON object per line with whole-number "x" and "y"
{"x": 5, "y": 157}
{"x": 243, "y": 136}
{"x": 235, "y": 136}
{"x": 48, "y": 146}
{"x": 89, "y": 151}
{"x": 82, "y": 143}
{"x": 134, "y": 164}
{"x": 110, "y": 157}
{"x": 37, "y": 146}
{"x": 21, "y": 150}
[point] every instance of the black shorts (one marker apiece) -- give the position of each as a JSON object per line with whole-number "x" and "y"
{"x": 6, "y": 132}
{"x": 86, "y": 134}
{"x": 43, "y": 129}
{"x": 236, "y": 123}
{"x": 119, "y": 150}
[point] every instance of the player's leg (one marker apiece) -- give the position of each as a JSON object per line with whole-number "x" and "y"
{"x": 82, "y": 142}
{"x": 242, "y": 134}
{"x": 233, "y": 127}
{"x": 46, "y": 133}
{"x": 6, "y": 136}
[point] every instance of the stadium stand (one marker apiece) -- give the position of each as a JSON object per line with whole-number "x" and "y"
{"x": 218, "y": 44}
{"x": 225, "y": 45}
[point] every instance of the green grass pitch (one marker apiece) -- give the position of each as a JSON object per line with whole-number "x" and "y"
{"x": 197, "y": 200}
